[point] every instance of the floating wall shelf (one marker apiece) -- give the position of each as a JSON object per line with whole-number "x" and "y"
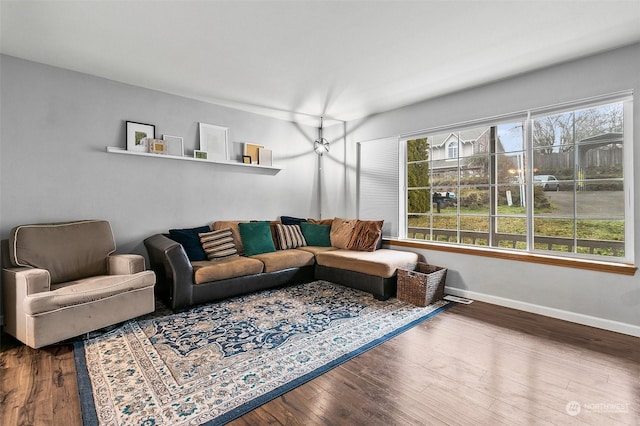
{"x": 116, "y": 150}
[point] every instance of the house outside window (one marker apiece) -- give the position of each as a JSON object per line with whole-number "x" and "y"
{"x": 553, "y": 182}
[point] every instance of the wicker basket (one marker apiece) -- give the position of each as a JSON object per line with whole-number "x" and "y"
{"x": 422, "y": 285}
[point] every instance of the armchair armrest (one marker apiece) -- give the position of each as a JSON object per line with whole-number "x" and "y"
{"x": 125, "y": 264}
{"x": 17, "y": 284}
{"x": 26, "y": 281}
{"x": 174, "y": 273}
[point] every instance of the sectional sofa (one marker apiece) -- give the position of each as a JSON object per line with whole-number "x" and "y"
{"x": 251, "y": 256}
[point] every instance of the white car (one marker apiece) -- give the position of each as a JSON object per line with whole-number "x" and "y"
{"x": 547, "y": 182}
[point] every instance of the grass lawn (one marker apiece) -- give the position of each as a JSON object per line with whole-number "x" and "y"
{"x": 512, "y": 220}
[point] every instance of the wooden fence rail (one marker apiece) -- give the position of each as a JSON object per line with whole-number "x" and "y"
{"x": 511, "y": 240}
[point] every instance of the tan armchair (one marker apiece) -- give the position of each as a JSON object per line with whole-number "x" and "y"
{"x": 62, "y": 280}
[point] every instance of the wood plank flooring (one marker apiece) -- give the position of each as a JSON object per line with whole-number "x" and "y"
{"x": 477, "y": 364}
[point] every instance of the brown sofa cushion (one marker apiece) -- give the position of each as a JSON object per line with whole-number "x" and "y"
{"x": 366, "y": 235}
{"x": 86, "y": 291}
{"x": 316, "y": 249}
{"x": 231, "y": 267}
{"x": 341, "y": 232}
{"x": 69, "y": 250}
{"x": 285, "y": 259}
{"x": 382, "y": 263}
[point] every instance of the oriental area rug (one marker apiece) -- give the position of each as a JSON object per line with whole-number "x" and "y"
{"x": 215, "y": 362}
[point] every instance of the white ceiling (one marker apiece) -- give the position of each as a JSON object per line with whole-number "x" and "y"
{"x": 295, "y": 59}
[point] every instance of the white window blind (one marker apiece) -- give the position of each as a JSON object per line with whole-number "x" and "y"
{"x": 378, "y": 184}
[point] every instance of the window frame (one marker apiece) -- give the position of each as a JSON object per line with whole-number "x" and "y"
{"x": 450, "y": 147}
{"x": 527, "y": 118}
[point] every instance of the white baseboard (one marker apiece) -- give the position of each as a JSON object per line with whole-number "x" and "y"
{"x": 605, "y": 324}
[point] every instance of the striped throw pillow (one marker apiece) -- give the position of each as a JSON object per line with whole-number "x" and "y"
{"x": 290, "y": 236}
{"x": 218, "y": 244}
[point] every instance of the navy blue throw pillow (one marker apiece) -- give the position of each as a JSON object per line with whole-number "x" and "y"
{"x": 190, "y": 241}
{"x": 290, "y": 220}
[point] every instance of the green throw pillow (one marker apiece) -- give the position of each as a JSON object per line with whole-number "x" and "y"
{"x": 316, "y": 235}
{"x": 256, "y": 238}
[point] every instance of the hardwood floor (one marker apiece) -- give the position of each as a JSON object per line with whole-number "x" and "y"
{"x": 474, "y": 364}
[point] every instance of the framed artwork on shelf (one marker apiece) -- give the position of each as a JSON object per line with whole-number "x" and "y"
{"x": 246, "y": 159}
{"x": 251, "y": 150}
{"x": 157, "y": 146}
{"x": 202, "y": 155}
{"x": 138, "y": 135}
{"x": 175, "y": 145}
{"x": 265, "y": 157}
{"x": 213, "y": 141}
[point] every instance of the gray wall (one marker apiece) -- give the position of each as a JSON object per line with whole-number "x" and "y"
{"x": 601, "y": 299}
{"x": 56, "y": 125}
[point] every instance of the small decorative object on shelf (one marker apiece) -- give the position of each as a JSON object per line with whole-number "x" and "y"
{"x": 265, "y": 157}
{"x": 213, "y": 140}
{"x": 138, "y": 135}
{"x": 201, "y": 155}
{"x": 246, "y": 159}
{"x": 174, "y": 145}
{"x": 157, "y": 146}
{"x": 422, "y": 285}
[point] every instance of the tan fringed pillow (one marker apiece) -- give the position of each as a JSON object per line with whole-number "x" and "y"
{"x": 341, "y": 232}
{"x": 366, "y": 235}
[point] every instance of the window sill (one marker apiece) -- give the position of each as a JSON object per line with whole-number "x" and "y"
{"x": 592, "y": 265}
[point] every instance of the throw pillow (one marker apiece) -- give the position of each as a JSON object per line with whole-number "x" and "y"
{"x": 366, "y": 235}
{"x": 218, "y": 244}
{"x": 320, "y": 221}
{"x": 290, "y": 236}
{"x": 290, "y": 220}
{"x": 256, "y": 238}
{"x": 190, "y": 241}
{"x": 341, "y": 232}
{"x": 272, "y": 226}
{"x": 315, "y": 234}
{"x": 233, "y": 225}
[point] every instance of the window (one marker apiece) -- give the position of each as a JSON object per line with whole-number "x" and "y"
{"x": 553, "y": 181}
{"x": 452, "y": 149}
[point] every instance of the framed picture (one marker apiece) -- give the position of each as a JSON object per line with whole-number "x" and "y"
{"x": 246, "y": 159}
{"x": 138, "y": 135}
{"x": 251, "y": 150}
{"x": 213, "y": 141}
{"x": 175, "y": 145}
{"x": 157, "y": 146}
{"x": 202, "y": 155}
{"x": 265, "y": 157}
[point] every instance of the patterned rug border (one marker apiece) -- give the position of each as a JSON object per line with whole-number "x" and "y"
{"x": 85, "y": 390}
